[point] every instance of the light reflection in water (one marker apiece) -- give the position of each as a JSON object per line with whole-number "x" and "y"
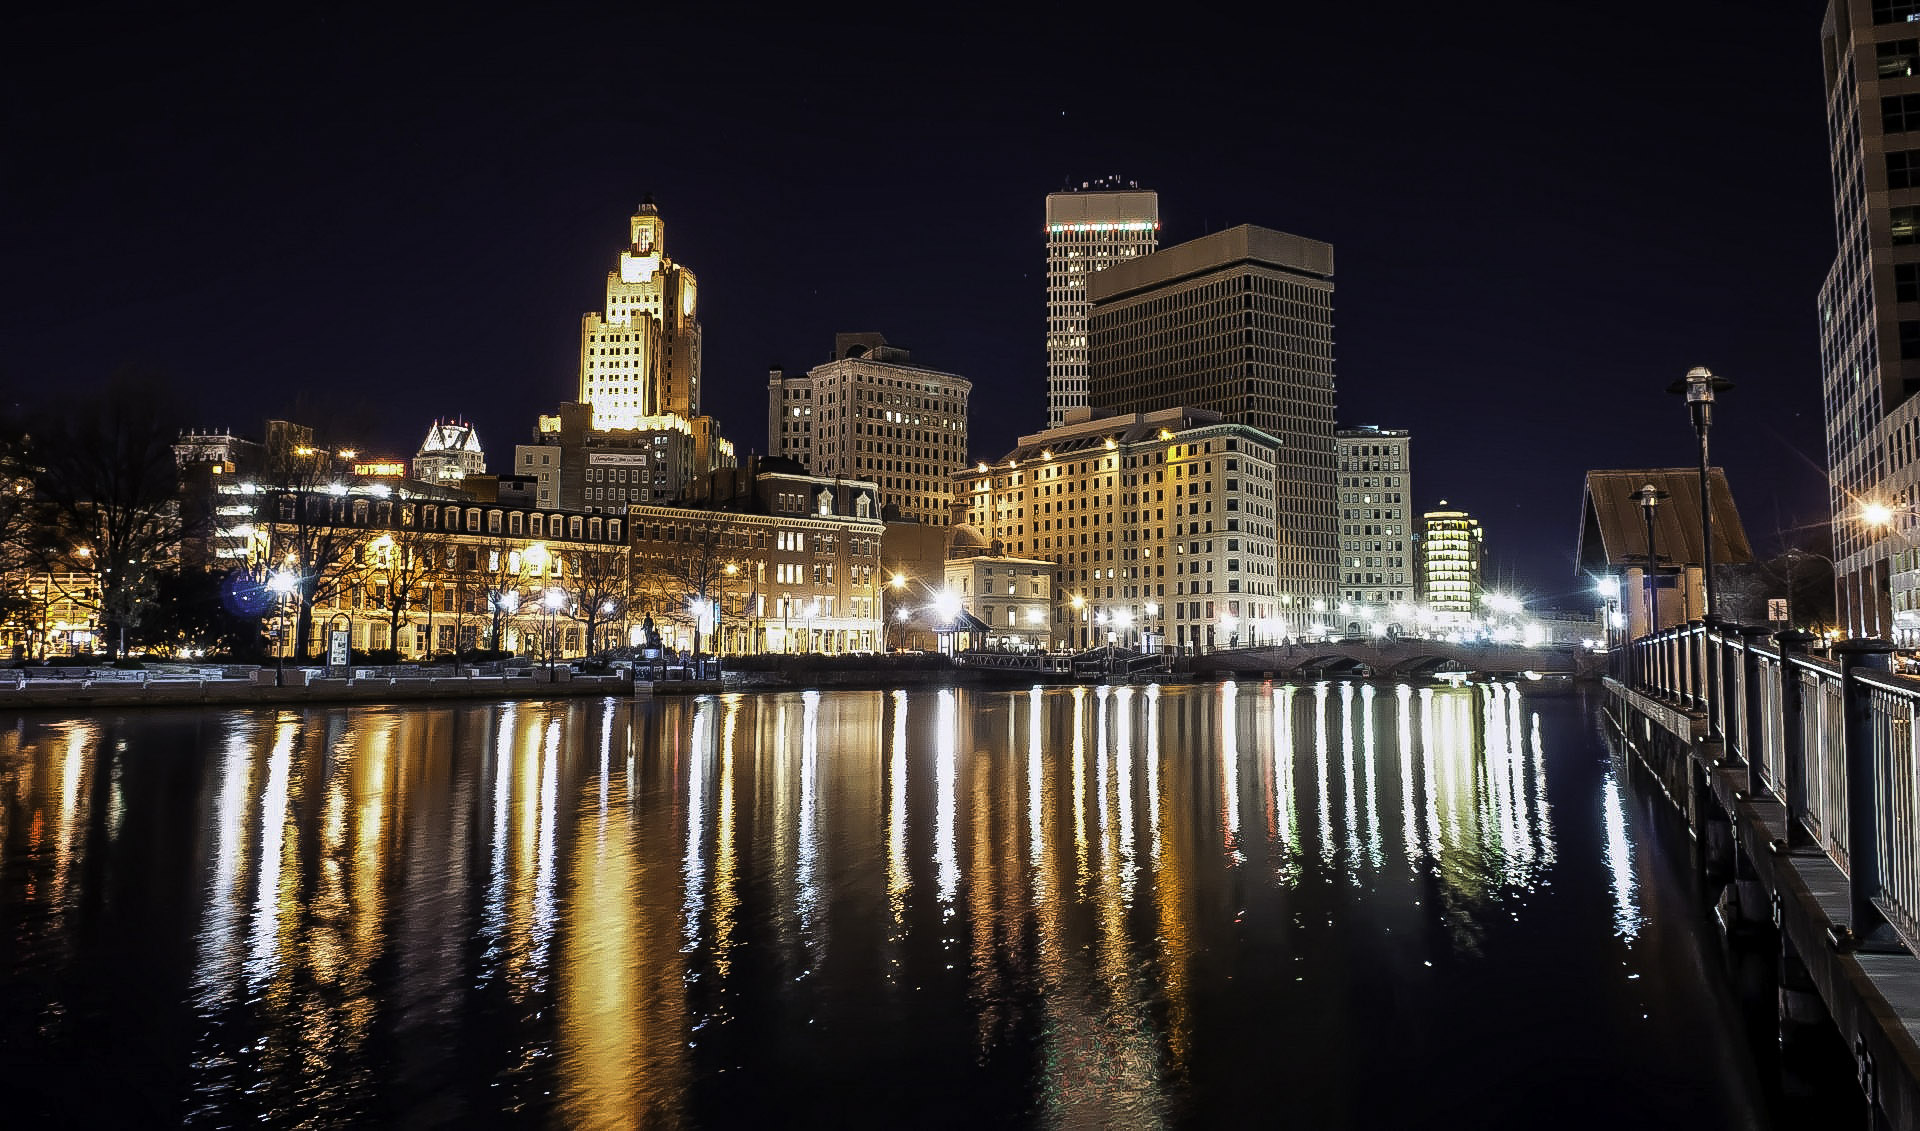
{"x": 1626, "y": 906}
{"x": 615, "y": 939}
{"x": 945, "y": 768}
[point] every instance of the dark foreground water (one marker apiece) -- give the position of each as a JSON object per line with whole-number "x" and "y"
{"x": 1241, "y": 904}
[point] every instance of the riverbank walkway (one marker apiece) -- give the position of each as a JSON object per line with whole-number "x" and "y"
{"x": 1800, "y": 778}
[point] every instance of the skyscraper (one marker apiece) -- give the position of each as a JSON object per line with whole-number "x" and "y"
{"x": 1239, "y": 322}
{"x": 1870, "y": 310}
{"x": 640, "y": 356}
{"x": 1087, "y": 230}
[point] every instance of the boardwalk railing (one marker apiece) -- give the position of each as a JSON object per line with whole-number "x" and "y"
{"x": 1833, "y": 740}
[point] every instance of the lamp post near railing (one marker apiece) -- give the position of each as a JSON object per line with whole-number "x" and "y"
{"x": 1700, "y": 386}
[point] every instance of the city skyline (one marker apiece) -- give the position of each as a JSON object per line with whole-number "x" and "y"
{"x": 1520, "y": 307}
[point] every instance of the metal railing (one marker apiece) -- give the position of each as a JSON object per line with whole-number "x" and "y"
{"x": 1832, "y": 739}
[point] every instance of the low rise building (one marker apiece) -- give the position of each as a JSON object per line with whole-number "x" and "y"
{"x": 764, "y": 558}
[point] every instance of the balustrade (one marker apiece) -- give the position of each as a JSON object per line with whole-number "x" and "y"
{"x": 1833, "y": 740}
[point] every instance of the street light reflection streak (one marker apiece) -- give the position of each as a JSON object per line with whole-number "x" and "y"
{"x": 81, "y": 737}
{"x": 1543, "y": 817}
{"x": 212, "y": 975}
{"x": 807, "y": 895}
{"x": 264, "y": 938}
{"x": 1080, "y": 787}
{"x": 543, "y": 902}
{"x": 494, "y": 919}
{"x": 1285, "y": 815}
{"x": 945, "y": 770}
{"x": 1101, "y": 824}
{"x": 726, "y": 899}
{"x": 1409, "y": 823}
{"x": 1350, "y": 775}
{"x": 1036, "y": 843}
{"x": 693, "y": 869}
{"x": 1327, "y": 849}
{"x": 897, "y": 876}
{"x": 1373, "y": 788}
{"x": 1123, "y": 787}
{"x": 1230, "y": 770}
{"x": 1432, "y": 750}
{"x": 1153, "y": 770}
{"x": 1626, "y": 908}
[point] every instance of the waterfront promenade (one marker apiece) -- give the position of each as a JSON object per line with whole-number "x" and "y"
{"x": 1800, "y": 778}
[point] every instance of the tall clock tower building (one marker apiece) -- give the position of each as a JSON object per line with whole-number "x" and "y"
{"x": 640, "y": 354}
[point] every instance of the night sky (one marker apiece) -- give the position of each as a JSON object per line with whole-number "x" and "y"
{"x": 1542, "y": 214}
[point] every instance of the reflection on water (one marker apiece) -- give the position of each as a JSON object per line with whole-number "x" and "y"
{"x": 1076, "y": 907}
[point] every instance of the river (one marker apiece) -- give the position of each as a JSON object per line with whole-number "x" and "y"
{"x": 1323, "y": 906}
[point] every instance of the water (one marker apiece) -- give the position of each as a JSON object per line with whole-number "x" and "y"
{"x": 1333, "y": 906}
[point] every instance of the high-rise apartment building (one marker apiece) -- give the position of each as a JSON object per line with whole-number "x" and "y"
{"x": 1088, "y": 230}
{"x": 870, "y": 415}
{"x": 640, "y": 355}
{"x": 1870, "y": 310}
{"x": 1450, "y": 548}
{"x": 1376, "y": 516}
{"x": 1239, "y": 322}
{"x": 1160, "y": 523}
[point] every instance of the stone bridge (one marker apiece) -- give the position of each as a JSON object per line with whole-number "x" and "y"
{"x": 1395, "y": 659}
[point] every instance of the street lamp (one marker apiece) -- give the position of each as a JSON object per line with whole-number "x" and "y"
{"x": 1649, "y": 497}
{"x": 1080, "y": 614}
{"x": 553, "y": 603}
{"x": 281, "y": 583}
{"x": 1699, "y": 386}
{"x": 507, "y": 603}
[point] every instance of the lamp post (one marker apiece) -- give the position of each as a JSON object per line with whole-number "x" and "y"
{"x": 1650, "y": 497}
{"x": 1699, "y": 387}
{"x": 1079, "y": 615}
{"x": 282, "y": 583}
{"x": 553, "y": 602}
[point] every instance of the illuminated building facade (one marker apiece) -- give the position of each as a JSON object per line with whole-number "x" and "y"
{"x": 1450, "y": 554}
{"x": 1163, "y": 523}
{"x": 1087, "y": 231}
{"x": 640, "y": 355}
{"x": 449, "y": 454}
{"x": 434, "y": 569}
{"x": 1869, "y": 310}
{"x": 213, "y": 465}
{"x": 1240, "y": 323}
{"x": 576, "y": 466}
{"x": 1376, "y": 516}
{"x": 1011, "y": 596}
{"x": 764, "y": 558}
{"x": 869, "y": 415}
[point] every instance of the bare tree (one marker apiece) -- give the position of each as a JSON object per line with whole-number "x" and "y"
{"x": 108, "y": 488}
{"x": 675, "y": 580}
{"x": 595, "y": 582}
{"x": 309, "y": 518}
{"x": 399, "y": 568}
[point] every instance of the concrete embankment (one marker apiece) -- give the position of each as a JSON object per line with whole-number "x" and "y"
{"x": 81, "y": 695}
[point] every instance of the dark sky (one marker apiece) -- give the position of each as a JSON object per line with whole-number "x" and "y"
{"x": 1542, "y": 214}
